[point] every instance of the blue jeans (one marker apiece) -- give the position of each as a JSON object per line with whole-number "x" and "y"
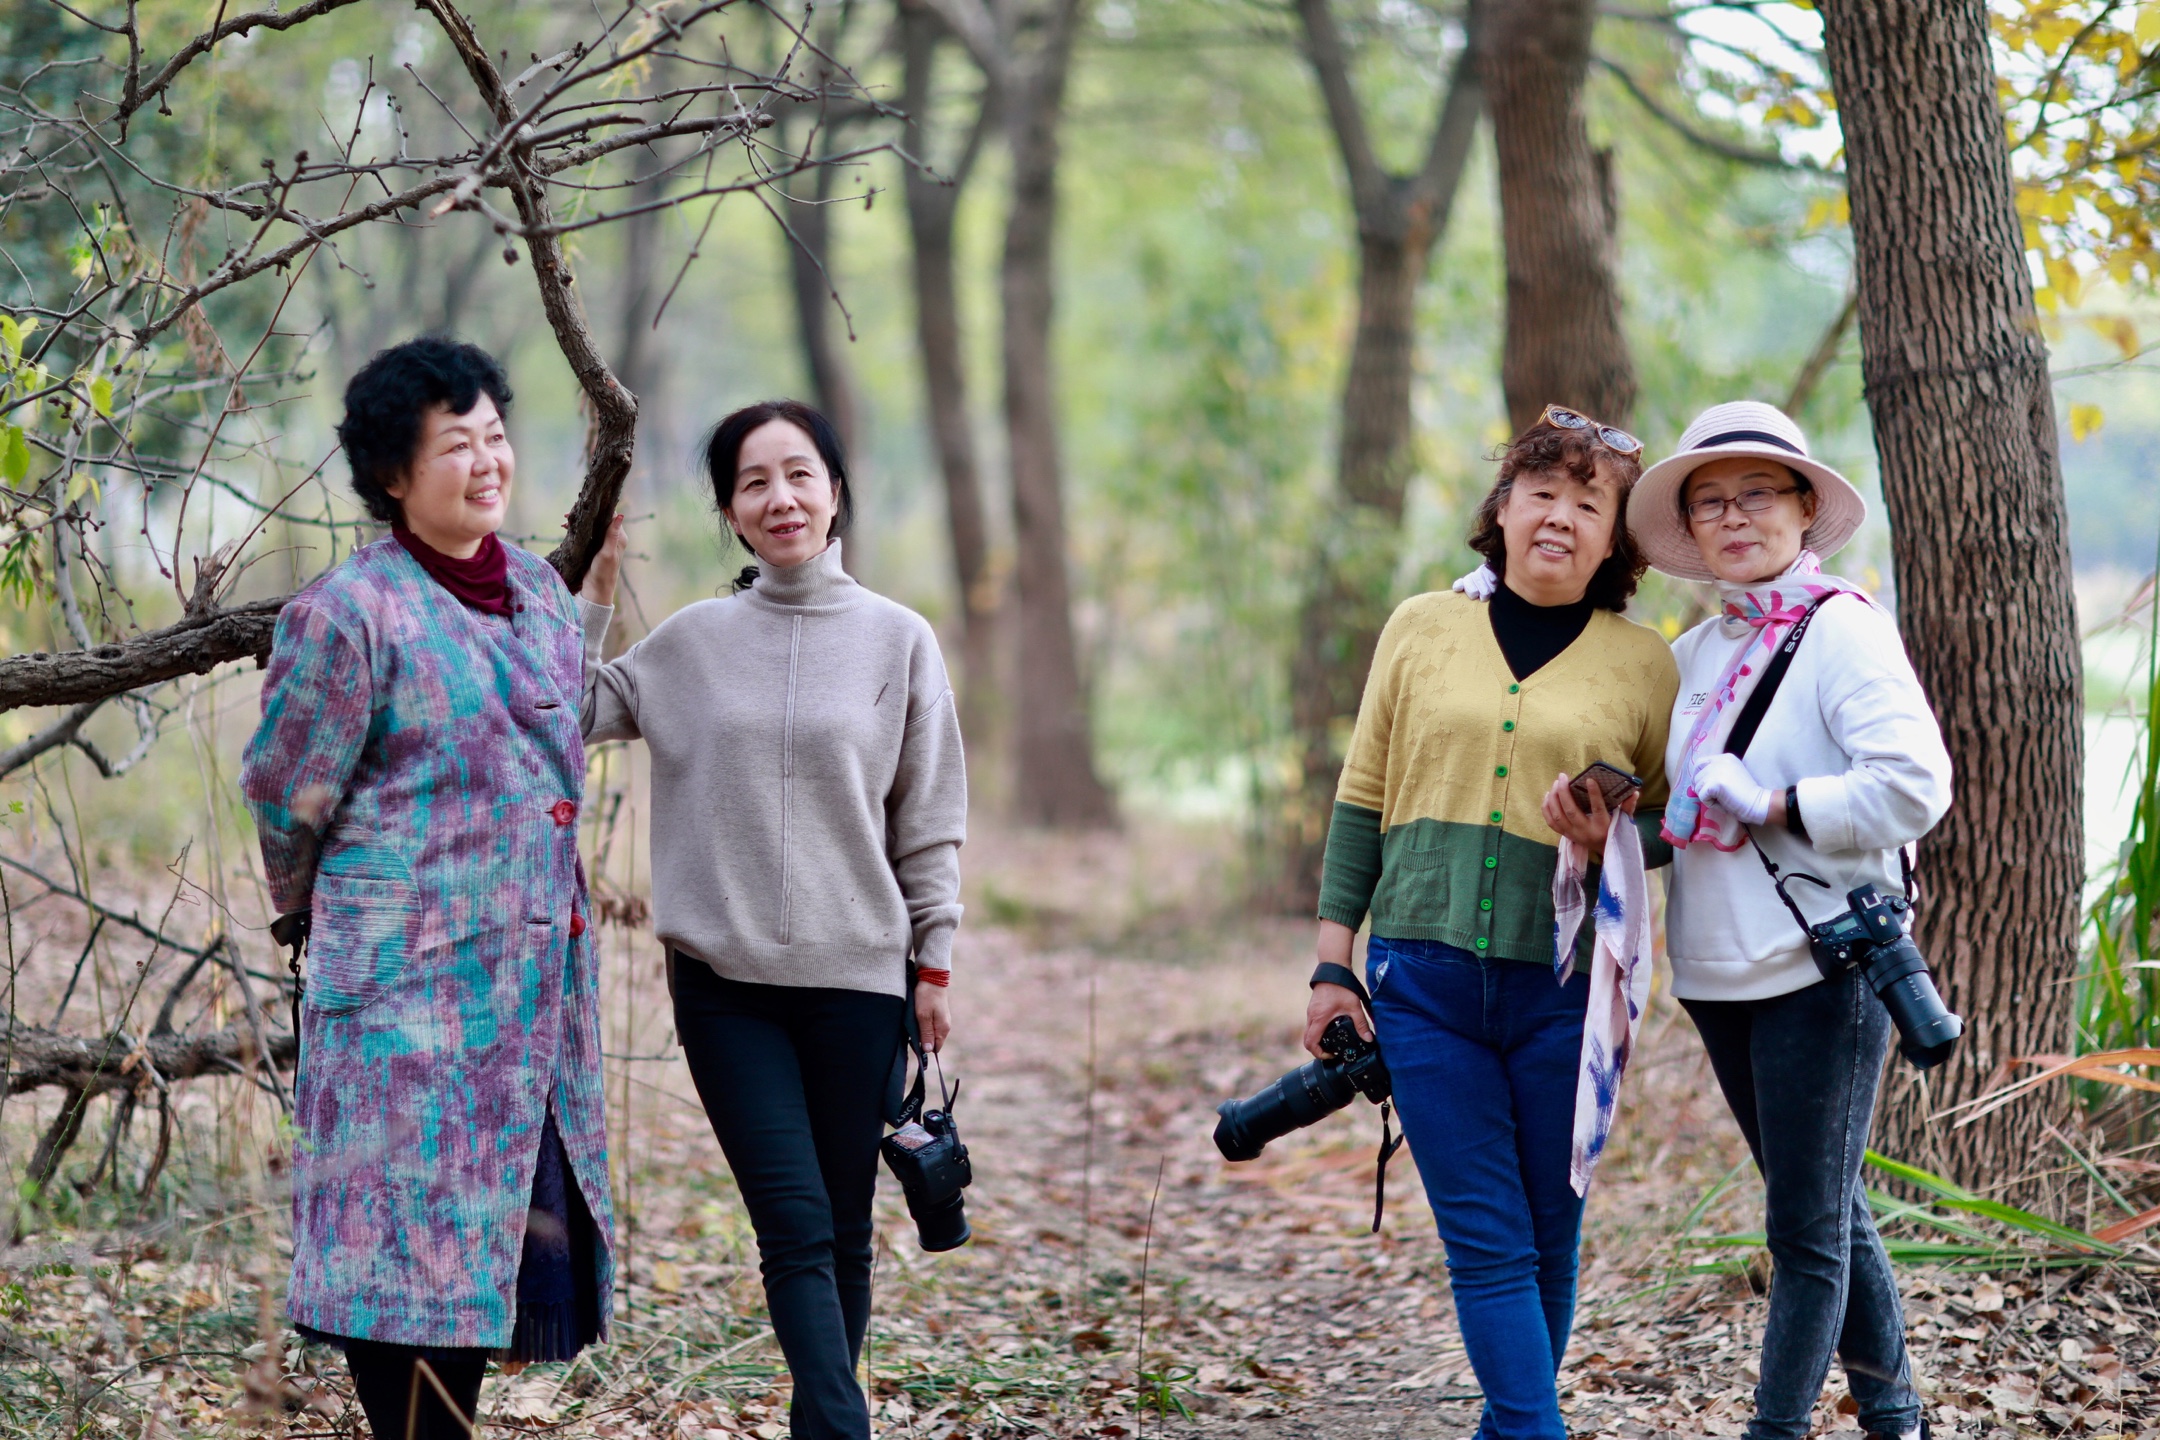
{"x": 1483, "y": 1054}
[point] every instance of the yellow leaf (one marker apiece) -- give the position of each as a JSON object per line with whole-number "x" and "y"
{"x": 1829, "y": 210}
{"x": 77, "y": 485}
{"x": 2085, "y": 420}
{"x": 667, "y": 1277}
{"x": 101, "y": 395}
{"x": 2119, "y": 331}
{"x": 2147, "y": 32}
{"x": 11, "y": 338}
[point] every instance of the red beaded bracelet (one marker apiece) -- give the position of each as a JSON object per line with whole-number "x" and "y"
{"x": 939, "y": 978}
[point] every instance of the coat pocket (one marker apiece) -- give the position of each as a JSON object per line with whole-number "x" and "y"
{"x": 365, "y": 934}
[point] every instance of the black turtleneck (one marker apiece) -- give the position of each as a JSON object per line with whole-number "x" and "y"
{"x": 1531, "y": 635}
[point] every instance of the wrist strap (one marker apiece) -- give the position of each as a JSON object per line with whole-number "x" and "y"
{"x": 1329, "y": 973}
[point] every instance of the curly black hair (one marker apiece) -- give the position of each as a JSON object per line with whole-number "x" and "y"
{"x": 724, "y": 447}
{"x": 1576, "y": 453}
{"x": 385, "y": 401}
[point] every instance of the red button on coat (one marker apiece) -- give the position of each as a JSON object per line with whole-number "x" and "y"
{"x": 564, "y": 812}
{"x": 577, "y": 926}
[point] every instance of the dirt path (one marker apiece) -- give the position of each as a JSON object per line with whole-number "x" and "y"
{"x": 1123, "y": 1278}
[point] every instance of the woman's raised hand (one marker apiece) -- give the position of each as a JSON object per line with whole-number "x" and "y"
{"x": 599, "y": 586}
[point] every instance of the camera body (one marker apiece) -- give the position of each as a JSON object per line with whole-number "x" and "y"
{"x": 1313, "y": 1091}
{"x": 1872, "y": 935}
{"x": 930, "y": 1161}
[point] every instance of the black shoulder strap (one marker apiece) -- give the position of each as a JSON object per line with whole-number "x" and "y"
{"x": 1758, "y": 703}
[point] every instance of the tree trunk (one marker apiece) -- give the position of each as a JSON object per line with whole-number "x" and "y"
{"x": 637, "y": 358}
{"x": 832, "y": 380}
{"x": 932, "y": 202}
{"x": 1055, "y": 781}
{"x": 1558, "y": 218}
{"x": 1957, "y": 386}
{"x": 1400, "y": 220}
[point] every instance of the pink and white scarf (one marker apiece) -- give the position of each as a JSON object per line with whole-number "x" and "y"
{"x": 1619, "y": 979}
{"x": 1768, "y": 609}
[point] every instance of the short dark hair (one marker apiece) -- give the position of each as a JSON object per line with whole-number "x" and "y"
{"x": 1577, "y": 454}
{"x": 723, "y": 449}
{"x": 385, "y": 401}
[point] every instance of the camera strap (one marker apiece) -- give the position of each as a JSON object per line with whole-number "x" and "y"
{"x": 1329, "y": 973}
{"x": 292, "y": 930}
{"x": 1388, "y": 1147}
{"x": 911, "y": 1107}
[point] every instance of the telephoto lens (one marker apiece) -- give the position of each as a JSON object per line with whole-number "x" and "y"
{"x": 1309, "y": 1093}
{"x": 1898, "y": 974}
{"x": 932, "y": 1166}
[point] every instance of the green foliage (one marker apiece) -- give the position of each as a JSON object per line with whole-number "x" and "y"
{"x": 2117, "y": 1003}
{"x": 2014, "y": 1239}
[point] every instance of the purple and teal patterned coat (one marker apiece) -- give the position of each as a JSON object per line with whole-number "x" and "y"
{"x": 415, "y": 782}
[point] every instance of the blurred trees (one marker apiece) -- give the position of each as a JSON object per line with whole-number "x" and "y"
{"x": 1559, "y": 216}
{"x": 1026, "y": 54}
{"x": 932, "y": 188}
{"x": 1400, "y": 218}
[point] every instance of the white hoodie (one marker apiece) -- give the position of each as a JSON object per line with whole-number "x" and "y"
{"x": 1852, "y": 729}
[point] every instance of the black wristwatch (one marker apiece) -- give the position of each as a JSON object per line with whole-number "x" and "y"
{"x": 1792, "y": 812}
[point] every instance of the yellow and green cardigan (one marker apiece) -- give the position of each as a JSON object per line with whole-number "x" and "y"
{"x": 1437, "y": 830}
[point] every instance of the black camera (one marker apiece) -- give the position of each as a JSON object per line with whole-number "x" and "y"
{"x": 1872, "y": 936}
{"x": 931, "y": 1164}
{"x": 1309, "y": 1093}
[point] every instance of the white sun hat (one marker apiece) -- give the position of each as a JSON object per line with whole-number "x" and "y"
{"x": 1739, "y": 427}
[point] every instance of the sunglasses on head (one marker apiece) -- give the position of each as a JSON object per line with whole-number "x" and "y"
{"x": 1611, "y": 437}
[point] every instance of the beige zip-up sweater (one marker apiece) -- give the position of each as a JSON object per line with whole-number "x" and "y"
{"x": 809, "y": 797}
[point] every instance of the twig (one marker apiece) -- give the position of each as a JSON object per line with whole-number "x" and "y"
{"x": 1147, "y": 1240}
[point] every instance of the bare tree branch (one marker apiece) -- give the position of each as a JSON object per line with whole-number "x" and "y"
{"x": 135, "y": 96}
{"x": 195, "y": 646}
{"x": 95, "y": 1066}
{"x": 611, "y": 440}
{"x": 1727, "y": 149}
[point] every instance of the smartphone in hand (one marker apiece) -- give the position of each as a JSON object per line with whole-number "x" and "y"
{"x": 1611, "y": 781}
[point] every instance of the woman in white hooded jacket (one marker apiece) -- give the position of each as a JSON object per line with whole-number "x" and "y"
{"x": 1846, "y": 768}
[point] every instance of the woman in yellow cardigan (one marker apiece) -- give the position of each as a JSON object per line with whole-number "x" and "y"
{"x": 1440, "y": 834}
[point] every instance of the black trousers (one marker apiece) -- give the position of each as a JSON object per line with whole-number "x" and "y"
{"x": 1800, "y": 1072}
{"x": 793, "y": 1079}
{"x": 402, "y": 1403}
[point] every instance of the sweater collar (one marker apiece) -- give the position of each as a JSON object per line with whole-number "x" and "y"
{"x": 818, "y": 581}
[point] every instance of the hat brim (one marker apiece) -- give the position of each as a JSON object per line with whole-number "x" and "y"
{"x": 1662, "y": 535}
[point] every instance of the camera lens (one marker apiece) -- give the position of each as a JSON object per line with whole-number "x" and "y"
{"x": 941, "y": 1226}
{"x": 1314, "y": 1090}
{"x": 1927, "y": 1031}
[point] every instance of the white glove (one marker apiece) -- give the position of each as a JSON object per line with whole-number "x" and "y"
{"x": 1726, "y": 830}
{"x": 1479, "y": 584}
{"x": 1723, "y": 780}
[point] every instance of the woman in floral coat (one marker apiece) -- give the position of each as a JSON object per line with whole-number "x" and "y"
{"x": 415, "y": 782}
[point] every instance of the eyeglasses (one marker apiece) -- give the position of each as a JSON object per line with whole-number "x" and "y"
{"x": 1611, "y": 437}
{"x": 1751, "y": 502}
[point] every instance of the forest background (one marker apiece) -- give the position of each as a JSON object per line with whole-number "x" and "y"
{"x": 1204, "y": 253}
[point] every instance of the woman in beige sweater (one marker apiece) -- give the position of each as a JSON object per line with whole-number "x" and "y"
{"x": 809, "y": 802}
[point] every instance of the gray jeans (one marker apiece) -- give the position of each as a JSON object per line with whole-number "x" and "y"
{"x": 1800, "y": 1073}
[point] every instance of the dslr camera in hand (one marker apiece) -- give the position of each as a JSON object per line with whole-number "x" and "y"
{"x": 931, "y": 1164}
{"x": 1313, "y": 1091}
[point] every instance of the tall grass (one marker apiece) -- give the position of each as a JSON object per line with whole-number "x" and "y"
{"x": 2117, "y": 1000}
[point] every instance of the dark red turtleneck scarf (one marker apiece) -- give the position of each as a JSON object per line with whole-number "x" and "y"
{"x": 482, "y": 581}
